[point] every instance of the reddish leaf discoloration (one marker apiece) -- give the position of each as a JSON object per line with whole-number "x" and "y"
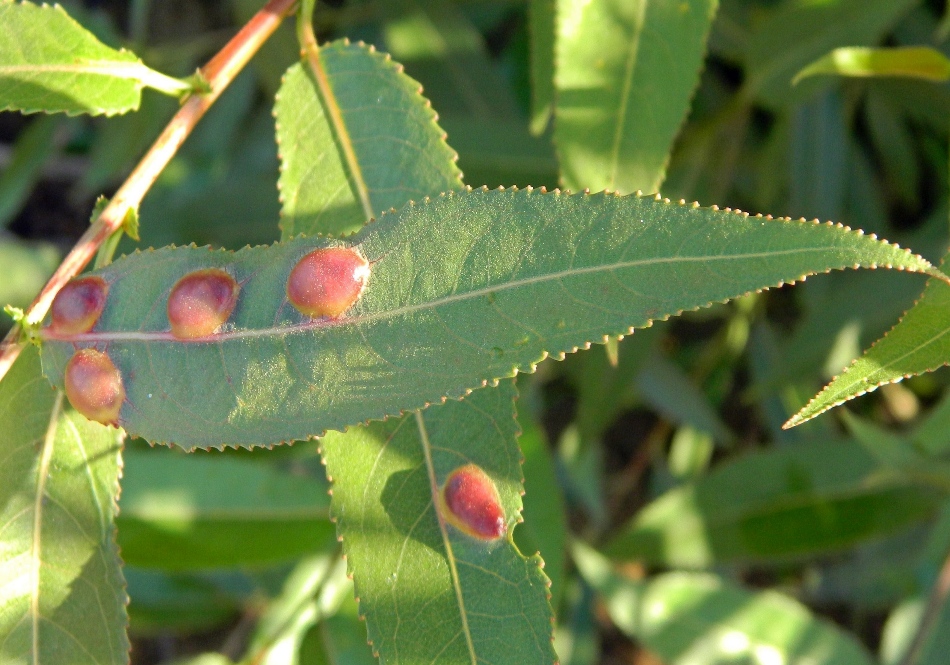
{"x": 327, "y": 282}
{"x": 78, "y": 305}
{"x": 200, "y": 302}
{"x": 472, "y": 503}
{"x": 94, "y": 386}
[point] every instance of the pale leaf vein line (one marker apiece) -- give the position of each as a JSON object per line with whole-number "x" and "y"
{"x": 449, "y": 554}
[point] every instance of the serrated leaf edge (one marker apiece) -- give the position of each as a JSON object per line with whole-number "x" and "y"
{"x": 799, "y": 418}
{"x": 531, "y": 367}
{"x": 534, "y": 559}
{"x": 95, "y": 112}
{"x": 399, "y": 69}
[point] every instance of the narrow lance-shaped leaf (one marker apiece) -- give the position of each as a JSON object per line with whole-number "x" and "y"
{"x": 50, "y": 63}
{"x": 199, "y": 512}
{"x": 542, "y": 26}
{"x": 400, "y": 150}
{"x": 687, "y": 618}
{"x": 913, "y": 61}
{"x": 918, "y": 343}
{"x": 433, "y": 585}
{"x": 459, "y": 291}
{"x": 62, "y": 596}
{"x": 626, "y": 71}
{"x": 775, "y": 505}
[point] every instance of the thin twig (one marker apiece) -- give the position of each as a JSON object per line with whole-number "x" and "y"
{"x": 938, "y": 596}
{"x": 218, "y": 73}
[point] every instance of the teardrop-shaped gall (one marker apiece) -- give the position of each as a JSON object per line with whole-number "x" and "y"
{"x": 200, "y": 302}
{"x": 78, "y": 305}
{"x": 472, "y": 503}
{"x": 326, "y": 282}
{"x": 94, "y": 386}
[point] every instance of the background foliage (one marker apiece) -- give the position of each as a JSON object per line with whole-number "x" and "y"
{"x": 676, "y": 518}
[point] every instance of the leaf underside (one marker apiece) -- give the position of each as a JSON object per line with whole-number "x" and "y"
{"x": 50, "y": 63}
{"x": 401, "y": 151}
{"x": 465, "y": 289}
{"x": 429, "y": 592}
{"x": 918, "y": 343}
{"x": 64, "y": 595}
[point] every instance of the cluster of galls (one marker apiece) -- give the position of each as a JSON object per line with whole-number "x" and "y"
{"x": 324, "y": 283}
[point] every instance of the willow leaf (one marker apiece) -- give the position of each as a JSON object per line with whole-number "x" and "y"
{"x": 465, "y": 289}
{"x": 775, "y": 505}
{"x": 429, "y": 592}
{"x": 687, "y": 618}
{"x": 921, "y": 62}
{"x": 50, "y": 63}
{"x": 400, "y": 150}
{"x": 199, "y": 512}
{"x": 918, "y": 343}
{"x": 626, "y": 71}
{"x": 542, "y": 26}
{"x": 62, "y": 595}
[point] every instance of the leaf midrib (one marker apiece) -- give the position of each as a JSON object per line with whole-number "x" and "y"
{"x": 872, "y": 384}
{"x": 443, "y": 529}
{"x": 630, "y": 68}
{"x": 273, "y": 331}
{"x": 36, "y": 560}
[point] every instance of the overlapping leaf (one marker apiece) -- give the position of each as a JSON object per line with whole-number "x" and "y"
{"x": 63, "y": 597}
{"x": 625, "y": 74}
{"x": 919, "y": 343}
{"x": 429, "y": 592}
{"x": 401, "y": 153}
{"x": 799, "y": 32}
{"x": 465, "y": 289}
{"x": 542, "y": 26}
{"x": 50, "y": 63}
{"x": 187, "y": 513}
{"x": 913, "y": 61}
{"x": 803, "y": 500}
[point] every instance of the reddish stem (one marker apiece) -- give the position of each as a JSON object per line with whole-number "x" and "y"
{"x": 218, "y": 73}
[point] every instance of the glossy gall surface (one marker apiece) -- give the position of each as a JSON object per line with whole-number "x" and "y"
{"x": 201, "y": 302}
{"x": 327, "y": 282}
{"x": 472, "y": 503}
{"x": 78, "y": 305}
{"x": 94, "y": 386}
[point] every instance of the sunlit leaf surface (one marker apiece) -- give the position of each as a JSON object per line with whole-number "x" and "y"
{"x": 62, "y": 596}
{"x": 520, "y": 275}
{"x": 50, "y": 63}
{"x": 430, "y": 592}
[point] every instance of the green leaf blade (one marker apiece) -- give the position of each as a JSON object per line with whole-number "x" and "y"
{"x": 921, "y": 62}
{"x": 50, "y": 63}
{"x": 626, "y": 72}
{"x": 63, "y": 596}
{"x": 700, "y": 618}
{"x": 917, "y": 344}
{"x": 401, "y": 151}
{"x": 777, "y": 505}
{"x": 189, "y": 513}
{"x": 416, "y": 575}
{"x": 519, "y": 276}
